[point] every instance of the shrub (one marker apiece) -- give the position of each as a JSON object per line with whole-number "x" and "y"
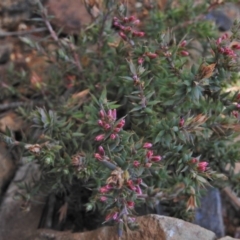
{"x": 130, "y": 119}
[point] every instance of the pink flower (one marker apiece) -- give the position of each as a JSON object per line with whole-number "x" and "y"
{"x": 156, "y": 158}
{"x": 99, "y": 137}
{"x": 149, "y": 154}
{"x": 147, "y": 145}
{"x": 130, "y": 204}
{"x": 101, "y": 151}
{"x": 238, "y": 105}
{"x": 202, "y": 166}
{"x": 136, "y": 163}
{"x": 98, "y": 156}
{"x": 184, "y": 53}
{"x": 103, "y": 199}
{"x": 113, "y": 136}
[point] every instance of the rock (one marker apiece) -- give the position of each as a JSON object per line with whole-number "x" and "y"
{"x": 14, "y": 11}
{"x": 69, "y": 15}
{"x": 151, "y": 227}
{"x": 15, "y": 223}
{"x": 228, "y": 238}
{"x": 209, "y": 215}
{"x": 7, "y": 168}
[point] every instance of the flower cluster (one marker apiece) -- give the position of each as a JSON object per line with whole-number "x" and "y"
{"x": 201, "y": 166}
{"x": 150, "y": 158}
{"x": 226, "y": 50}
{"x": 125, "y": 27}
{"x": 182, "y": 49}
{"x": 108, "y": 123}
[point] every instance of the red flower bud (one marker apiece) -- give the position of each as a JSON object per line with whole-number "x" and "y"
{"x": 224, "y": 36}
{"x": 101, "y": 151}
{"x": 138, "y": 190}
{"x": 236, "y": 46}
{"x": 151, "y": 55}
{"x": 101, "y": 114}
{"x": 103, "y": 199}
{"x": 114, "y": 114}
{"x": 235, "y": 114}
{"x": 130, "y": 204}
{"x": 148, "y": 165}
{"x": 184, "y": 53}
{"x": 140, "y": 60}
{"x": 202, "y": 166}
{"x": 181, "y": 122}
{"x": 147, "y": 145}
{"x": 149, "y": 154}
{"x": 125, "y": 19}
{"x": 113, "y": 136}
{"x": 136, "y": 22}
{"x": 99, "y": 137}
{"x": 116, "y": 130}
{"x": 183, "y": 43}
{"x": 138, "y": 34}
{"x": 100, "y": 123}
{"x": 106, "y": 126}
{"x": 136, "y": 163}
{"x": 123, "y": 36}
{"x": 156, "y": 158}
{"x": 121, "y": 123}
{"x": 139, "y": 181}
{"x": 131, "y": 18}
{"x": 98, "y": 156}
{"x": 193, "y": 160}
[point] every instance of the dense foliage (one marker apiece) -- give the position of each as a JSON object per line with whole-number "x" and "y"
{"x": 131, "y": 113}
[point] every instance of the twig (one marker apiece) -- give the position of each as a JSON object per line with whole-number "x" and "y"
{"x": 232, "y": 197}
{"x": 20, "y": 33}
{"x": 11, "y": 105}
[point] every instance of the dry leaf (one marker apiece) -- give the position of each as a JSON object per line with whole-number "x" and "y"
{"x": 80, "y": 95}
{"x": 116, "y": 178}
{"x": 63, "y": 212}
{"x": 206, "y": 71}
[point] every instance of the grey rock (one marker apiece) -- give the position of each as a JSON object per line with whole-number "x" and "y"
{"x": 15, "y": 223}
{"x": 209, "y": 215}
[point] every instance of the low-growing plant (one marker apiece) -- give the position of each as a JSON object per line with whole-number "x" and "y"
{"x": 131, "y": 119}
